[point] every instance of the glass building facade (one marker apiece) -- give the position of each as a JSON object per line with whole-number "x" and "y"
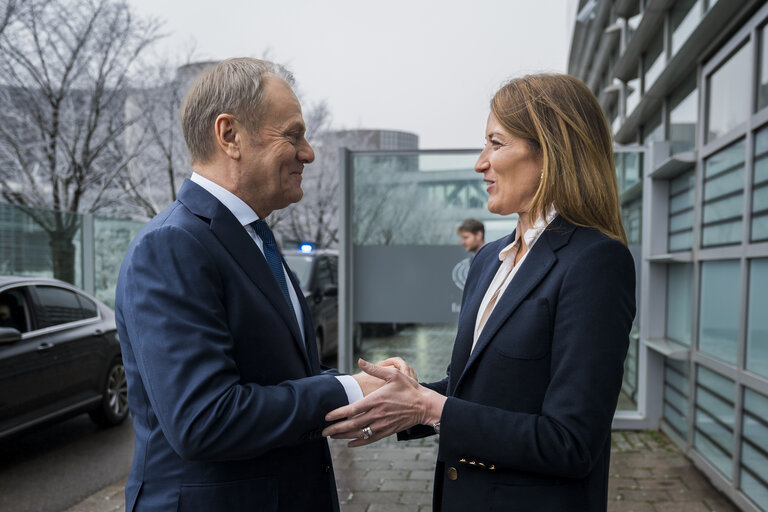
{"x": 689, "y": 87}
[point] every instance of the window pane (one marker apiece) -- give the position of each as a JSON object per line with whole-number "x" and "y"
{"x": 724, "y": 174}
{"x": 762, "y": 88}
{"x": 757, "y": 321}
{"x": 760, "y": 199}
{"x": 681, "y": 220}
{"x": 675, "y": 398}
{"x": 684, "y": 18}
{"x": 754, "y": 489}
{"x": 653, "y": 130}
{"x": 760, "y": 186}
{"x": 754, "y": 434}
{"x": 708, "y": 449}
{"x": 724, "y": 184}
{"x": 681, "y": 202}
{"x": 677, "y": 420}
{"x": 683, "y": 116}
{"x": 679, "y": 276}
{"x": 731, "y": 157}
{"x": 719, "y": 315}
{"x": 676, "y": 393}
{"x": 683, "y": 182}
{"x": 681, "y": 241}
{"x": 715, "y": 406}
{"x": 728, "y": 96}
{"x": 714, "y": 418}
{"x": 761, "y": 170}
{"x": 59, "y": 306}
{"x": 760, "y": 228}
{"x": 723, "y": 386}
{"x": 88, "y": 307}
{"x": 676, "y": 375}
{"x": 633, "y": 95}
{"x": 720, "y": 234}
{"x": 653, "y": 60}
{"x": 721, "y": 209}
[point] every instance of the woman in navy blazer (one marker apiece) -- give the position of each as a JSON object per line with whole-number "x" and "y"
{"x": 524, "y": 414}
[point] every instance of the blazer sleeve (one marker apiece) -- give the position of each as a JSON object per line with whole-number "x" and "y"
{"x": 175, "y": 319}
{"x": 594, "y": 312}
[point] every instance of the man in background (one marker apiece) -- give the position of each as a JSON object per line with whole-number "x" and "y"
{"x": 472, "y": 233}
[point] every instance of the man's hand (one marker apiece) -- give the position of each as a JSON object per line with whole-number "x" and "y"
{"x": 401, "y": 365}
{"x": 400, "y": 404}
{"x": 369, "y": 383}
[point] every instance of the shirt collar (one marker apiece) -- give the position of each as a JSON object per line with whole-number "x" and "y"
{"x": 242, "y": 212}
{"x": 531, "y": 235}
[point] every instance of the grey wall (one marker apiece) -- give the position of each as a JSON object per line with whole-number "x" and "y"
{"x": 406, "y": 283}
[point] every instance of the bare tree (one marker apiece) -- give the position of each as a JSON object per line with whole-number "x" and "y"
{"x": 7, "y": 11}
{"x": 65, "y": 67}
{"x": 151, "y": 181}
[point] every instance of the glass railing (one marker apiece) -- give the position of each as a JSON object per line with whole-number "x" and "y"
{"x": 83, "y": 250}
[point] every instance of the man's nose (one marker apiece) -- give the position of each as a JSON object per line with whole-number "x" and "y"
{"x": 306, "y": 153}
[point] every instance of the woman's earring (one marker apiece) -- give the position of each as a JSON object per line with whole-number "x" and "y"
{"x": 542, "y": 176}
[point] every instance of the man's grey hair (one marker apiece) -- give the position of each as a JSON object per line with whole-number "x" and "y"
{"x": 233, "y": 86}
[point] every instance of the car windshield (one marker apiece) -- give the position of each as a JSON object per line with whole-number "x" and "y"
{"x": 301, "y": 265}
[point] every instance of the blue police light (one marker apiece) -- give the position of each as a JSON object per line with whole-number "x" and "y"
{"x": 306, "y": 248}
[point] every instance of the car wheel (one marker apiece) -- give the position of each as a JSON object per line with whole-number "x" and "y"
{"x": 113, "y": 408}
{"x": 319, "y": 342}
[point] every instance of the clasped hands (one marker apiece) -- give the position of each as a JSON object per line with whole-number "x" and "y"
{"x": 394, "y": 401}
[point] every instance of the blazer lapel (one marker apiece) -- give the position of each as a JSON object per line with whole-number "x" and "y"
{"x": 534, "y": 269}
{"x": 243, "y": 250}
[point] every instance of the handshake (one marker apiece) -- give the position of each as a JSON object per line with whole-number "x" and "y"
{"x": 394, "y": 401}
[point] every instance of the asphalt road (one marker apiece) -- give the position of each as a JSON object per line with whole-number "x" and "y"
{"x": 55, "y": 467}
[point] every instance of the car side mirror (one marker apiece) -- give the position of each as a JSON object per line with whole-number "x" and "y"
{"x": 330, "y": 290}
{"x": 9, "y": 335}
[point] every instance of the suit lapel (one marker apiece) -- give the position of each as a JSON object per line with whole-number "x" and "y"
{"x": 534, "y": 269}
{"x": 243, "y": 250}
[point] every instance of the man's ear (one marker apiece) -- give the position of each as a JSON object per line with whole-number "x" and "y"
{"x": 227, "y": 135}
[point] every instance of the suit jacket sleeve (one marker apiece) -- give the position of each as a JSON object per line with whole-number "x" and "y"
{"x": 594, "y": 312}
{"x": 175, "y": 319}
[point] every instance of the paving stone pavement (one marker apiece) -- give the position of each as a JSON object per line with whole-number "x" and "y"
{"x": 648, "y": 474}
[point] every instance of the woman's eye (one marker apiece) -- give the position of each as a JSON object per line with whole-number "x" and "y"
{"x": 495, "y": 142}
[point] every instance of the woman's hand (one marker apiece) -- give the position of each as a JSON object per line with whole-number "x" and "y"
{"x": 400, "y": 404}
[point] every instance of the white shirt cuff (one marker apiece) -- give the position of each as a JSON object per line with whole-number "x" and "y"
{"x": 351, "y": 388}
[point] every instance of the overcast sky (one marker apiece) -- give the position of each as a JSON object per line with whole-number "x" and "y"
{"x": 424, "y": 66}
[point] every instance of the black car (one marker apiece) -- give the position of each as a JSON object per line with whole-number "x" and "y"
{"x": 59, "y": 356}
{"x": 317, "y": 272}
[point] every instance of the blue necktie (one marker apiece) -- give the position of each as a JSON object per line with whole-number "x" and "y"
{"x": 273, "y": 256}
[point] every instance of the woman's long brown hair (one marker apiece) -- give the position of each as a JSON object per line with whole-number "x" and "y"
{"x": 560, "y": 117}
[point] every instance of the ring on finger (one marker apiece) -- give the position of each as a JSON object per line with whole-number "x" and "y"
{"x": 367, "y": 432}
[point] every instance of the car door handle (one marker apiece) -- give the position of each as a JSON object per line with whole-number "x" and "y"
{"x": 45, "y": 346}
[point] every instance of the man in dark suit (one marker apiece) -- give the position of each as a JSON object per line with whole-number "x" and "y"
{"x": 224, "y": 382}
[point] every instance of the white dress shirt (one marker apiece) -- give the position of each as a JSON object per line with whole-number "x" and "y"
{"x": 245, "y": 216}
{"x": 508, "y": 269}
